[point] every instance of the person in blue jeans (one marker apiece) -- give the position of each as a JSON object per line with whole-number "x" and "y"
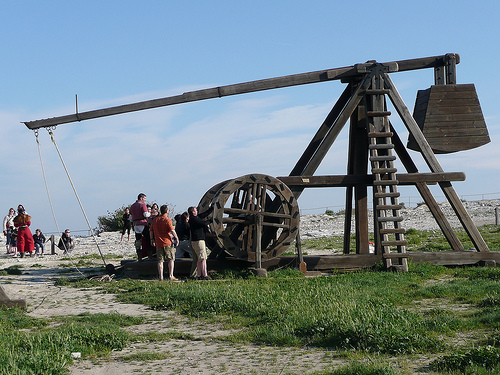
{"x": 39, "y": 239}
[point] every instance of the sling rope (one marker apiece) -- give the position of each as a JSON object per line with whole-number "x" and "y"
{"x": 76, "y": 195}
{"x": 45, "y": 181}
{"x": 50, "y": 202}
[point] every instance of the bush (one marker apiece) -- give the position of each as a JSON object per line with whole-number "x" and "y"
{"x": 113, "y": 221}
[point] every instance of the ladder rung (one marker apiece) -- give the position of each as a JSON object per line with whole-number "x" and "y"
{"x": 383, "y": 158}
{"x": 392, "y": 230}
{"x": 389, "y": 207}
{"x": 381, "y": 146}
{"x": 385, "y": 182}
{"x": 395, "y": 255}
{"x": 380, "y": 135}
{"x": 378, "y": 113}
{"x": 389, "y": 218}
{"x": 384, "y": 170}
{"x": 377, "y": 91}
{"x": 394, "y": 243}
{"x": 393, "y": 194}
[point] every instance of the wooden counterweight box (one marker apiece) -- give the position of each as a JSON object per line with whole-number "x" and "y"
{"x": 450, "y": 118}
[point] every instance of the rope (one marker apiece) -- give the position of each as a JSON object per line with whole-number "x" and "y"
{"x": 77, "y": 197}
{"x": 45, "y": 181}
{"x": 50, "y": 200}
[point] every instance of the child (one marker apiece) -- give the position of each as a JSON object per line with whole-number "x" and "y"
{"x": 13, "y": 242}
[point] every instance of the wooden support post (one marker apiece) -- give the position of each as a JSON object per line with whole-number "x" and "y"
{"x": 52, "y": 245}
{"x": 451, "y": 69}
{"x": 348, "y": 219}
{"x": 300, "y": 256}
{"x": 497, "y": 215}
{"x": 258, "y": 270}
{"x": 258, "y": 241}
{"x": 439, "y": 78}
{"x": 359, "y": 155}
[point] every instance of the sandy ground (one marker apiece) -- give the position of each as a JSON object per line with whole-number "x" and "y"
{"x": 200, "y": 355}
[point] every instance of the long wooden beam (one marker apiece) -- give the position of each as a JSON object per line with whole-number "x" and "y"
{"x": 243, "y": 88}
{"x": 350, "y": 180}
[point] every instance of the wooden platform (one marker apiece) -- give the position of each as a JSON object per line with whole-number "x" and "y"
{"x": 322, "y": 263}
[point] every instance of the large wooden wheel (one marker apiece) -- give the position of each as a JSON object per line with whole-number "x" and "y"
{"x": 251, "y": 210}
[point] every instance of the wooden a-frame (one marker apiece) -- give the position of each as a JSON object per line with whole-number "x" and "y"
{"x": 363, "y": 102}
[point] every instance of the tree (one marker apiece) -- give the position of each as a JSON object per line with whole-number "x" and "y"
{"x": 113, "y": 221}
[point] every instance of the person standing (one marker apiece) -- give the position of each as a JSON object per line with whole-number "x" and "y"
{"x": 162, "y": 233}
{"x": 127, "y": 224}
{"x": 197, "y": 228}
{"x": 8, "y": 227}
{"x": 184, "y": 233}
{"x": 140, "y": 214}
{"x": 24, "y": 237}
{"x": 39, "y": 240}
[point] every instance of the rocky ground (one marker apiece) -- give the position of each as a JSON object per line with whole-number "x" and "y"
{"x": 198, "y": 356}
{"x": 481, "y": 213}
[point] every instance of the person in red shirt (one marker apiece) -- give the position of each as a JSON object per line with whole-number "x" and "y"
{"x": 163, "y": 236}
{"x": 25, "y": 241}
{"x": 140, "y": 214}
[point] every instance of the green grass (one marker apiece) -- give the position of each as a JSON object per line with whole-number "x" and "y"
{"x": 367, "y": 311}
{"x": 449, "y": 314}
{"x": 12, "y": 270}
{"x": 362, "y": 369}
{"x": 145, "y": 356}
{"x": 30, "y": 346}
{"x": 386, "y": 314}
{"x": 484, "y": 360}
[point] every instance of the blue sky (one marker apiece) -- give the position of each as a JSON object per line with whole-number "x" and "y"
{"x": 117, "y": 52}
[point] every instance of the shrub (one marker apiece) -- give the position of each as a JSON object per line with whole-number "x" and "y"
{"x": 113, "y": 221}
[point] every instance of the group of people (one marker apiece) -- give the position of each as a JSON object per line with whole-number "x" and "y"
{"x": 155, "y": 233}
{"x": 20, "y": 240}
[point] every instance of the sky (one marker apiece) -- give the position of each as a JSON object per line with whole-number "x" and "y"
{"x": 109, "y": 53}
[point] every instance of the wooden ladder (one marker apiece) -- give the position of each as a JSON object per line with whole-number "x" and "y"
{"x": 385, "y": 185}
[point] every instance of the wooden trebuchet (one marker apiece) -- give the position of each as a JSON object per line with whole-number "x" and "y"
{"x": 250, "y": 208}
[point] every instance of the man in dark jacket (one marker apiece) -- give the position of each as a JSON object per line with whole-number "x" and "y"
{"x": 66, "y": 242}
{"x": 197, "y": 228}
